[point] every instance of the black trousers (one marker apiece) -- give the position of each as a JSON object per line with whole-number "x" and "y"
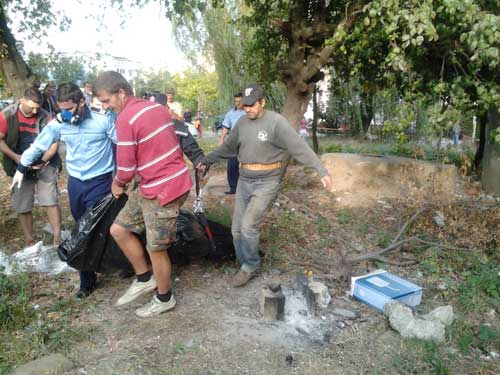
{"x": 233, "y": 173}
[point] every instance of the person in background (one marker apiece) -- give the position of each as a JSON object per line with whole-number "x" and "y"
{"x": 188, "y": 115}
{"x": 230, "y": 120}
{"x": 147, "y": 147}
{"x": 20, "y": 123}
{"x": 90, "y": 138}
{"x": 456, "y": 133}
{"x": 199, "y": 126}
{"x": 262, "y": 141}
{"x": 174, "y": 107}
{"x": 49, "y": 99}
{"x": 87, "y": 93}
{"x": 303, "y": 128}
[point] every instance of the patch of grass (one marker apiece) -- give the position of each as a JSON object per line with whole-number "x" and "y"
{"x": 419, "y": 357}
{"x": 290, "y": 224}
{"x": 480, "y": 288}
{"x": 412, "y": 150}
{"x": 179, "y": 349}
{"x": 468, "y": 336}
{"x": 363, "y": 227}
{"x": 383, "y": 237}
{"x": 15, "y": 307}
{"x": 344, "y": 216}
{"x": 219, "y": 214}
{"x": 323, "y": 225}
{"x": 207, "y": 144}
{"x": 27, "y": 332}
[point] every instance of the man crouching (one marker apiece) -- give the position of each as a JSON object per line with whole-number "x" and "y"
{"x": 147, "y": 146}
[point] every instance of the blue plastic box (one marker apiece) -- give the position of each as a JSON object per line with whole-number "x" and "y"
{"x": 380, "y": 286}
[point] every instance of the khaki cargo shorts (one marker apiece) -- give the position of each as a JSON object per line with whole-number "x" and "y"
{"x": 160, "y": 222}
{"x": 23, "y": 198}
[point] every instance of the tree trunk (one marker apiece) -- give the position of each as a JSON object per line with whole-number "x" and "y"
{"x": 296, "y": 103}
{"x": 16, "y": 73}
{"x": 366, "y": 112}
{"x": 483, "y": 120}
{"x": 315, "y": 121}
{"x": 491, "y": 151}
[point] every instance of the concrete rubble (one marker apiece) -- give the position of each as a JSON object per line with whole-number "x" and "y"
{"x": 53, "y": 364}
{"x": 431, "y": 327}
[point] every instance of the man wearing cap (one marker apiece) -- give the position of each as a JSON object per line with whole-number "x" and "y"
{"x": 261, "y": 140}
{"x": 175, "y": 107}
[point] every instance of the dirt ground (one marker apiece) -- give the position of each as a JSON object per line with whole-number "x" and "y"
{"x": 216, "y": 329}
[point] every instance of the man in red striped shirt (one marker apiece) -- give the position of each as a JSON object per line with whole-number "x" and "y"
{"x": 147, "y": 147}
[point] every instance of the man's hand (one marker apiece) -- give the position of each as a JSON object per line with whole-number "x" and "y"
{"x": 116, "y": 190}
{"x": 39, "y": 166}
{"x": 202, "y": 168}
{"x": 327, "y": 182}
{"x": 17, "y": 180}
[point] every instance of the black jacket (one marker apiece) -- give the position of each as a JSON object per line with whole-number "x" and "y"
{"x": 188, "y": 143}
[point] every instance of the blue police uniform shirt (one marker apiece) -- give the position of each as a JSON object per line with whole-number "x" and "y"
{"x": 89, "y": 145}
{"x": 232, "y": 117}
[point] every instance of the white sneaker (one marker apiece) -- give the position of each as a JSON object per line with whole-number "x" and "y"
{"x": 155, "y": 307}
{"x": 135, "y": 290}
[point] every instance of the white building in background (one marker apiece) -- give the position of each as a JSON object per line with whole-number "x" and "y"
{"x": 105, "y": 61}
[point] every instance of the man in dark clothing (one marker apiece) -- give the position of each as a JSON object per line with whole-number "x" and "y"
{"x": 230, "y": 120}
{"x": 261, "y": 140}
{"x": 188, "y": 144}
{"x": 49, "y": 99}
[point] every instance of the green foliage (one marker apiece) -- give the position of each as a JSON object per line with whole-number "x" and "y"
{"x": 27, "y": 332}
{"x": 152, "y": 81}
{"x": 442, "y": 119}
{"x": 220, "y": 214}
{"x": 15, "y": 307}
{"x": 57, "y": 67}
{"x": 480, "y": 288}
{"x": 399, "y": 125}
{"x": 196, "y": 89}
{"x": 35, "y": 17}
{"x": 469, "y": 336}
{"x": 344, "y": 216}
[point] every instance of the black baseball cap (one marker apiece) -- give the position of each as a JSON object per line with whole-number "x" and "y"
{"x": 251, "y": 94}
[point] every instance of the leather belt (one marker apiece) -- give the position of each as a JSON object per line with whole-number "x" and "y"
{"x": 261, "y": 167}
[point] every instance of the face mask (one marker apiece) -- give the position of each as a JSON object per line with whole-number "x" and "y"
{"x": 68, "y": 116}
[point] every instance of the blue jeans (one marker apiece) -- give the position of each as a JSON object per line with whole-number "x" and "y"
{"x": 252, "y": 201}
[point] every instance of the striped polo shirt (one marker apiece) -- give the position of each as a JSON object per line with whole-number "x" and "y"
{"x": 148, "y": 146}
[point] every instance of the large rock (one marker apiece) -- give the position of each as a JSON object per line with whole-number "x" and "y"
{"x": 402, "y": 320}
{"x": 53, "y": 364}
{"x": 444, "y": 314}
{"x": 388, "y": 176}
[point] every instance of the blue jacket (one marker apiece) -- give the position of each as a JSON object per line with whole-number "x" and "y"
{"x": 89, "y": 145}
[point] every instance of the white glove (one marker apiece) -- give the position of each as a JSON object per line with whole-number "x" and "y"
{"x": 17, "y": 180}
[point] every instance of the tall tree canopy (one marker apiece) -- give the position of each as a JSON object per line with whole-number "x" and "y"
{"x": 34, "y": 17}
{"x": 284, "y": 40}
